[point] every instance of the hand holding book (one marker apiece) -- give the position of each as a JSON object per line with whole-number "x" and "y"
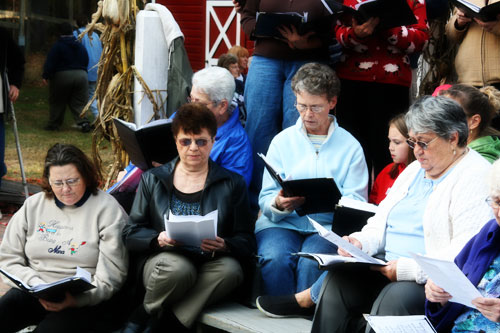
{"x": 367, "y": 28}
{"x": 462, "y": 19}
{"x": 294, "y": 39}
{"x": 288, "y": 203}
{"x": 68, "y": 302}
{"x": 486, "y": 13}
{"x": 352, "y": 241}
{"x": 390, "y": 270}
{"x": 487, "y": 26}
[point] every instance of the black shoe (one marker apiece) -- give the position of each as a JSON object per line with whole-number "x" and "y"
{"x": 139, "y": 322}
{"x": 85, "y": 127}
{"x": 131, "y": 327}
{"x": 282, "y": 307}
{"x": 50, "y": 128}
{"x": 168, "y": 319}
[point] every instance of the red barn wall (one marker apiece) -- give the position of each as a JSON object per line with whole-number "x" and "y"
{"x": 191, "y": 16}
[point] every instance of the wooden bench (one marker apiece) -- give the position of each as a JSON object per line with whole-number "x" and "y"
{"x": 237, "y": 318}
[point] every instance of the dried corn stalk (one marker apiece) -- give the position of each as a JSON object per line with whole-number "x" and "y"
{"x": 115, "y": 78}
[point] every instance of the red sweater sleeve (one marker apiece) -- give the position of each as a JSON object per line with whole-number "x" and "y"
{"x": 408, "y": 39}
{"x": 412, "y": 38}
{"x": 383, "y": 183}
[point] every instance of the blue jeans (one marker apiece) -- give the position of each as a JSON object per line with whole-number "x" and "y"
{"x": 93, "y": 106}
{"x": 270, "y": 105}
{"x": 283, "y": 273}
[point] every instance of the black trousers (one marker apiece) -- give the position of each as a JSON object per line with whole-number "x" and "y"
{"x": 364, "y": 110}
{"x": 348, "y": 293}
{"x": 67, "y": 88}
{"x": 19, "y": 310}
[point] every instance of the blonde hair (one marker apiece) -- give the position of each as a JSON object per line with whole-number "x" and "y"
{"x": 239, "y": 51}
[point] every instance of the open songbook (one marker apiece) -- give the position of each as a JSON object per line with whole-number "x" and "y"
{"x": 484, "y": 13}
{"x": 321, "y": 194}
{"x": 55, "y": 291}
{"x": 191, "y": 229}
{"x": 400, "y": 324}
{"x": 326, "y": 260}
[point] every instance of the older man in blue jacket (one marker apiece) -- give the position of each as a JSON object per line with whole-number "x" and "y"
{"x": 214, "y": 87}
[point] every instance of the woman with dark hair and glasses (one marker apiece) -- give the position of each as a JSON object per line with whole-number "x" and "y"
{"x": 314, "y": 147}
{"x": 70, "y": 224}
{"x": 180, "y": 281}
{"x": 435, "y": 206}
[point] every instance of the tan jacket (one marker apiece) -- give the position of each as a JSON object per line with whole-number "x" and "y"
{"x": 478, "y": 58}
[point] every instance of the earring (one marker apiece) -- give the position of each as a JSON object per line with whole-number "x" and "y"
{"x": 454, "y": 151}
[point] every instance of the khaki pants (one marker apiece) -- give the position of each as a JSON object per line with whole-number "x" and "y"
{"x": 172, "y": 279}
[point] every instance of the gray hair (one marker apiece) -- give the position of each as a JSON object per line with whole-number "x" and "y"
{"x": 316, "y": 79}
{"x": 440, "y": 115}
{"x": 495, "y": 179}
{"x": 216, "y": 82}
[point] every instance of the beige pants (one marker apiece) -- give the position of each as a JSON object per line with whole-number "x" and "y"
{"x": 172, "y": 279}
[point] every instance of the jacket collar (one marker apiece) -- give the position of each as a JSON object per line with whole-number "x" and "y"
{"x": 80, "y": 202}
{"x": 166, "y": 173}
{"x": 333, "y": 126}
{"x": 229, "y": 124}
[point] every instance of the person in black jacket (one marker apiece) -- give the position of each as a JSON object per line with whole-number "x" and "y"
{"x": 181, "y": 280}
{"x": 66, "y": 70}
{"x": 11, "y": 77}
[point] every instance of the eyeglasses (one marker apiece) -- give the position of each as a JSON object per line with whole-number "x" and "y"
{"x": 313, "y": 108}
{"x": 69, "y": 182}
{"x": 188, "y": 142}
{"x": 421, "y": 144}
{"x": 196, "y": 100}
{"x": 492, "y": 203}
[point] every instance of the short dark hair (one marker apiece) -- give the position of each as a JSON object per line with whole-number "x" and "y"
{"x": 193, "y": 118}
{"x": 65, "y": 29}
{"x": 63, "y": 154}
{"x": 81, "y": 20}
{"x": 227, "y": 59}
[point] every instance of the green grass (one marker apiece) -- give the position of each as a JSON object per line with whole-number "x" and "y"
{"x": 32, "y": 113}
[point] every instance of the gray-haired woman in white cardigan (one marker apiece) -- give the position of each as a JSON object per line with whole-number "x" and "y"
{"x": 435, "y": 206}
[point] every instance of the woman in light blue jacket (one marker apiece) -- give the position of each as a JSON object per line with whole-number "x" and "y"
{"x": 314, "y": 147}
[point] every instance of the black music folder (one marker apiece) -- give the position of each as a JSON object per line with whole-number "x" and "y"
{"x": 321, "y": 194}
{"x": 151, "y": 142}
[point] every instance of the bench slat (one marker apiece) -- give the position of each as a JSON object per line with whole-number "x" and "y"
{"x": 236, "y": 318}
